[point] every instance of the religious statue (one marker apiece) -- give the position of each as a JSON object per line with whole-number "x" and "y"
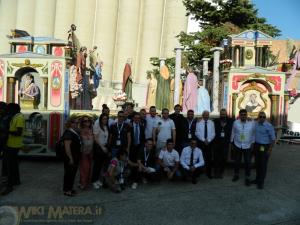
{"x": 203, "y": 99}
{"x": 30, "y": 91}
{"x": 127, "y": 80}
{"x": 81, "y": 64}
{"x": 253, "y": 105}
{"x": 190, "y": 91}
{"x": 151, "y": 95}
{"x": 163, "y": 89}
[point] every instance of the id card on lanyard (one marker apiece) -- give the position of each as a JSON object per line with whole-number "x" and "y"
{"x": 118, "y": 143}
{"x": 190, "y": 125}
{"x": 146, "y": 156}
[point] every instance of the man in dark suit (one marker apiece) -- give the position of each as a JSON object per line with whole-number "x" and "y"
{"x": 138, "y": 142}
{"x": 189, "y": 128}
{"x": 179, "y": 121}
{"x": 223, "y": 127}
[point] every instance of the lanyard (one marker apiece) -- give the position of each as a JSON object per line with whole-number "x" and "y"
{"x": 120, "y": 130}
{"x": 190, "y": 124}
{"x": 146, "y": 157}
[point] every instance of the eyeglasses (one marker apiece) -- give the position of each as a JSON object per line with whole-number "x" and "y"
{"x": 85, "y": 121}
{"x": 74, "y": 122}
{"x": 262, "y": 117}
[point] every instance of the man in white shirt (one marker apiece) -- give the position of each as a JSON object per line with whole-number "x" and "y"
{"x": 151, "y": 120}
{"x": 242, "y": 139}
{"x": 205, "y": 132}
{"x": 163, "y": 130}
{"x": 168, "y": 160}
{"x": 191, "y": 161}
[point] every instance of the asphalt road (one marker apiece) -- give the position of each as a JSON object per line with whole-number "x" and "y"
{"x": 39, "y": 199}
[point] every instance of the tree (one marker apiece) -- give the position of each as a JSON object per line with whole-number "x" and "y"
{"x": 218, "y": 19}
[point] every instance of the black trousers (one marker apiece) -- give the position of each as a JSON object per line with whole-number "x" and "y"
{"x": 187, "y": 173}
{"x": 261, "y": 162}
{"x": 70, "y": 174}
{"x": 207, "y": 155}
{"x": 10, "y": 167}
{"x": 238, "y": 154}
{"x": 220, "y": 152}
{"x": 100, "y": 164}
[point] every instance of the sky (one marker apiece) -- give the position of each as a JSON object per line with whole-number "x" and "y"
{"x": 284, "y": 14}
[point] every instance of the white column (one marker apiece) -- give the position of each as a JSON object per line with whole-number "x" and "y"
{"x": 216, "y": 78}
{"x": 150, "y": 37}
{"x": 205, "y": 70}
{"x": 162, "y": 62}
{"x": 105, "y": 35}
{"x": 84, "y": 21}
{"x": 8, "y": 10}
{"x": 25, "y": 15}
{"x": 64, "y": 18}
{"x": 175, "y": 21}
{"x": 177, "y": 75}
{"x": 127, "y": 36}
{"x": 44, "y": 18}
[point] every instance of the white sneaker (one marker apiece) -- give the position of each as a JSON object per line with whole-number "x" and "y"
{"x": 96, "y": 185}
{"x": 99, "y": 183}
{"x": 134, "y": 186}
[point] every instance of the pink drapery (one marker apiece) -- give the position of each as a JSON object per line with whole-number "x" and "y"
{"x": 190, "y": 92}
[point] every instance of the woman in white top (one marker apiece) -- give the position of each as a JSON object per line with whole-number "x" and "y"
{"x": 101, "y": 153}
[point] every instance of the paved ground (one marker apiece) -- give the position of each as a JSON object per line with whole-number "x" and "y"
{"x": 210, "y": 202}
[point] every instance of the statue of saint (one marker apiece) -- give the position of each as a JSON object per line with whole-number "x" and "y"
{"x": 127, "y": 80}
{"x": 203, "y": 99}
{"x": 30, "y": 91}
{"x": 190, "y": 92}
{"x": 151, "y": 95}
{"x": 163, "y": 89}
{"x": 81, "y": 64}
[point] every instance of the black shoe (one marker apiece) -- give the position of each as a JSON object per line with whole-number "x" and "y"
{"x": 7, "y": 190}
{"x": 209, "y": 176}
{"x": 235, "y": 178}
{"x": 253, "y": 182}
{"x": 247, "y": 182}
{"x": 194, "y": 181}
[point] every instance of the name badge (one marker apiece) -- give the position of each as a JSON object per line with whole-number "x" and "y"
{"x": 189, "y": 136}
{"x": 222, "y": 134}
{"x": 121, "y": 181}
{"x": 262, "y": 148}
{"x": 118, "y": 142}
{"x": 242, "y": 137}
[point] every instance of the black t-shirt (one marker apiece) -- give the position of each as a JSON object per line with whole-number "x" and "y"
{"x": 75, "y": 144}
{"x": 124, "y": 129}
{"x": 148, "y": 160}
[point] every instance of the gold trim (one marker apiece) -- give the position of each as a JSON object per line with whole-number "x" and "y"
{"x": 27, "y": 63}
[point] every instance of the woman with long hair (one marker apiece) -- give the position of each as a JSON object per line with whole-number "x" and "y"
{"x": 72, "y": 154}
{"x": 87, "y": 137}
{"x": 101, "y": 151}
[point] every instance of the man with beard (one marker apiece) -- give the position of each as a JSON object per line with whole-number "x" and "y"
{"x": 223, "y": 126}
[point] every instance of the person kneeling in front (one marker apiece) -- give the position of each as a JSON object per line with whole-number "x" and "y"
{"x": 191, "y": 161}
{"x": 168, "y": 160}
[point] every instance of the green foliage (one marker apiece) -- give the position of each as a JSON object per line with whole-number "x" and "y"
{"x": 218, "y": 19}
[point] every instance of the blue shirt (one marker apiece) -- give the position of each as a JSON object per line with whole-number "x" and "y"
{"x": 264, "y": 133}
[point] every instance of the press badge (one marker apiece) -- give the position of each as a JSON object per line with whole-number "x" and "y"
{"x": 189, "y": 136}
{"x": 262, "y": 148}
{"x": 222, "y": 134}
{"x": 118, "y": 142}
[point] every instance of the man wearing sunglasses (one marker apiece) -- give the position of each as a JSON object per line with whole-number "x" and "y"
{"x": 264, "y": 142}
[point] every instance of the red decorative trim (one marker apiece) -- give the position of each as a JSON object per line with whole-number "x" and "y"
{"x": 58, "y": 51}
{"x": 22, "y": 48}
{"x": 236, "y": 79}
{"x": 54, "y": 120}
{"x": 277, "y": 81}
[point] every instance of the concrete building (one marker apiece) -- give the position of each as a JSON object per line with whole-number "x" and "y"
{"x": 121, "y": 29}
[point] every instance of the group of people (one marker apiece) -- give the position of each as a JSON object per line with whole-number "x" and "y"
{"x": 141, "y": 147}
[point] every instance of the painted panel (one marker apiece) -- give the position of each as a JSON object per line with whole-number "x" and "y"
{"x": 2, "y": 69}
{"x": 58, "y": 51}
{"x": 56, "y": 83}
{"x": 21, "y": 48}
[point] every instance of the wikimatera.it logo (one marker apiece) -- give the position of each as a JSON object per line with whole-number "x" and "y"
{"x": 18, "y": 215}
